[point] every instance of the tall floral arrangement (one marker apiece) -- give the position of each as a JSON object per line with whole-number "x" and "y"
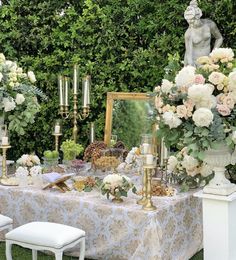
{"x": 18, "y": 102}
{"x": 197, "y": 110}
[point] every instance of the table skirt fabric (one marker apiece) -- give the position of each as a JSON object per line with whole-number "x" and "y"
{"x": 114, "y": 231}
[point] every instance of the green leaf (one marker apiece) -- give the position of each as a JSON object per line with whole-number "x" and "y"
{"x": 201, "y": 155}
{"x": 88, "y": 189}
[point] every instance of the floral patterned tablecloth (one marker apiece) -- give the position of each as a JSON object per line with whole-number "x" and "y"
{"x": 114, "y": 231}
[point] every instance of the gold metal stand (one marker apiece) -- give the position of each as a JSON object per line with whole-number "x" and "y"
{"x": 57, "y": 141}
{"x": 4, "y": 179}
{"x": 149, "y": 204}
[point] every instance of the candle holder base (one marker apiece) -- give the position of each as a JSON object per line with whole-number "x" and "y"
{"x": 8, "y": 181}
{"x": 142, "y": 201}
{"x": 149, "y": 206}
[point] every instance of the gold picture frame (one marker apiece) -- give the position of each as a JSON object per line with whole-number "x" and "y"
{"x": 111, "y": 97}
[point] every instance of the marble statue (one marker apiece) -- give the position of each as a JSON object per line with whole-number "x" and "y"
{"x": 198, "y": 35}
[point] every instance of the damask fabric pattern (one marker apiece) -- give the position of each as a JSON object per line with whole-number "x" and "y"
{"x": 114, "y": 231}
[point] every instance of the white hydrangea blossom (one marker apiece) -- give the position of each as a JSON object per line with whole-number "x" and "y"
{"x": 8, "y": 104}
{"x": 203, "y": 117}
{"x": 35, "y": 170}
{"x": 21, "y": 172}
{"x": 185, "y": 77}
{"x": 171, "y": 119}
{"x": 19, "y": 99}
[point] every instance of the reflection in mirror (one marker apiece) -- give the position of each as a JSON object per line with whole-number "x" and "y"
{"x": 128, "y": 116}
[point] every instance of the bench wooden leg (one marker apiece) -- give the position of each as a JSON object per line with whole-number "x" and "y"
{"x": 8, "y": 250}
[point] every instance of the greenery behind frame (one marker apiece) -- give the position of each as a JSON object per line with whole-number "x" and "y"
{"x": 123, "y": 44}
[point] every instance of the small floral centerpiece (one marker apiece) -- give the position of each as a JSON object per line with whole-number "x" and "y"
{"x": 28, "y": 165}
{"x": 117, "y": 186}
{"x": 28, "y": 160}
{"x": 18, "y": 102}
{"x": 22, "y": 174}
{"x": 197, "y": 111}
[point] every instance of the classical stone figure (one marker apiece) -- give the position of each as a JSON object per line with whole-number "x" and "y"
{"x": 198, "y": 35}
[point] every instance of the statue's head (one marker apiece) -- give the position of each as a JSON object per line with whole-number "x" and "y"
{"x": 193, "y": 12}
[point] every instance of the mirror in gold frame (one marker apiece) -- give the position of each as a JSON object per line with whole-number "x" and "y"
{"x": 128, "y": 115}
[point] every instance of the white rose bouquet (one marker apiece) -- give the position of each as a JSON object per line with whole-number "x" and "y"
{"x": 117, "y": 186}
{"x": 197, "y": 109}
{"x": 18, "y": 102}
{"x": 28, "y": 160}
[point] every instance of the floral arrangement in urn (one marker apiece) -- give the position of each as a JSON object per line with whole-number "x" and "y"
{"x": 117, "y": 186}
{"x": 18, "y": 102}
{"x": 197, "y": 111}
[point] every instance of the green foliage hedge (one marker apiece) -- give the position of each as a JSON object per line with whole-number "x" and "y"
{"x": 122, "y": 44}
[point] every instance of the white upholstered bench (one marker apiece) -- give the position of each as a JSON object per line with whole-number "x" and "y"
{"x": 5, "y": 223}
{"x": 45, "y": 236}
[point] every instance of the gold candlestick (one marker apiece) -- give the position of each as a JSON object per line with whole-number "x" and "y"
{"x": 143, "y": 200}
{"x": 149, "y": 204}
{"x": 57, "y": 141}
{"x": 4, "y": 161}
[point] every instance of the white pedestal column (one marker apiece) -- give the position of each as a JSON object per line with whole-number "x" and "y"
{"x": 219, "y": 226}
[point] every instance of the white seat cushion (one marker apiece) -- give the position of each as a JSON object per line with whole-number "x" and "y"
{"x": 45, "y": 234}
{"x": 4, "y": 221}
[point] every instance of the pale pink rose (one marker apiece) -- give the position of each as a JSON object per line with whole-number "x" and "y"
{"x": 199, "y": 79}
{"x": 183, "y": 89}
{"x": 168, "y": 108}
{"x": 223, "y": 110}
{"x": 192, "y": 172}
{"x": 157, "y": 89}
{"x": 216, "y": 78}
{"x": 158, "y": 102}
{"x": 232, "y": 81}
{"x": 220, "y": 98}
{"x": 220, "y": 86}
{"x": 189, "y": 104}
{"x": 182, "y": 111}
{"x": 228, "y": 101}
{"x": 184, "y": 151}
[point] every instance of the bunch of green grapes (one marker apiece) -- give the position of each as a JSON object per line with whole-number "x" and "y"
{"x": 70, "y": 149}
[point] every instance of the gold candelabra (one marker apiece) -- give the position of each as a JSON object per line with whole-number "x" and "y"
{"x": 63, "y": 83}
{"x": 4, "y": 161}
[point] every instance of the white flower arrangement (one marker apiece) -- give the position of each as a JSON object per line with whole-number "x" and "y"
{"x": 18, "y": 102}
{"x": 116, "y": 185}
{"x": 28, "y": 160}
{"x": 197, "y": 110}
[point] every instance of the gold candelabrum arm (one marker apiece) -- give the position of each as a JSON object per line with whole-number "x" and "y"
{"x": 76, "y": 116}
